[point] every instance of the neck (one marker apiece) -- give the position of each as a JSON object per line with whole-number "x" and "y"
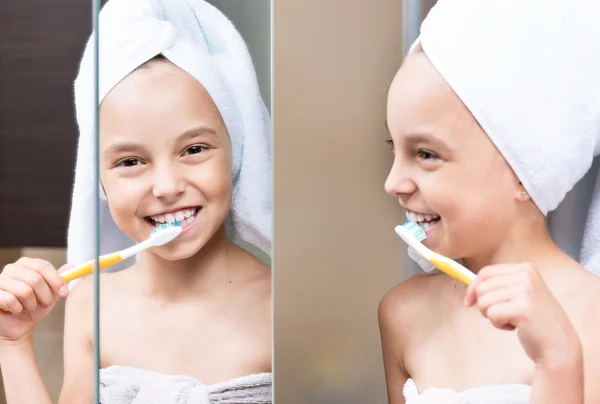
{"x": 200, "y": 273}
{"x": 528, "y": 242}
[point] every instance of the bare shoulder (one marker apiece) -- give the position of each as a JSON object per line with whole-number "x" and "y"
{"x": 82, "y": 294}
{"x": 401, "y": 314}
{"x": 409, "y": 300}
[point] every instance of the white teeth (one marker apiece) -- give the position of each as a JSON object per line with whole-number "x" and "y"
{"x": 426, "y": 226}
{"x": 179, "y": 216}
{"x": 411, "y": 217}
{"x": 419, "y": 218}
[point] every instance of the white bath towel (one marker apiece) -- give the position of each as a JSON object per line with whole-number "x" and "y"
{"x": 528, "y": 72}
{"x": 198, "y": 38}
{"x": 495, "y": 394}
{"x": 126, "y": 385}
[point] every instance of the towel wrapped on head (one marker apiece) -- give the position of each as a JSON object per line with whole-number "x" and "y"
{"x": 528, "y": 72}
{"x": 200, "y": 40}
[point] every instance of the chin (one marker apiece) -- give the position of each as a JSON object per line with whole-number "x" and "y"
{"x": 183, "y": 247}
{"x": 176, "y": 254}
{"x": 443, "y": 247}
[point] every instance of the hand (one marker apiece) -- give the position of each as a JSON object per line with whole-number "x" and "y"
{"x": 29, "y": 289}
{"x": 514, "y": 296}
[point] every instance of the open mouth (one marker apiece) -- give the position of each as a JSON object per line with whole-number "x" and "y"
{"x": 184, "y": 216}
{"x": 424, "y": 220}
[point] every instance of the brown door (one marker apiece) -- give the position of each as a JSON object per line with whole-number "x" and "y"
{"x": 40, "y": 46}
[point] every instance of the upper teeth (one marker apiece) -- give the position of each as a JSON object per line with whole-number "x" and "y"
{"x": 179, "y": 216}
{"x": 419, "y": 217}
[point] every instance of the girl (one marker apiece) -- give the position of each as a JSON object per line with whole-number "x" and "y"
{"x": 482, "y": 152}
{"x": 170, "y": 147}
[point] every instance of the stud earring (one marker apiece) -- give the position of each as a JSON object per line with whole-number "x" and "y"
{"x": 523, "y": 193}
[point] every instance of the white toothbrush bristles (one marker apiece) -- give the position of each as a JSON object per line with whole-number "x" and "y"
{"x": 413, "y": 234}
{"x": 164, "y": 234}
{"x": 416, "y": 230}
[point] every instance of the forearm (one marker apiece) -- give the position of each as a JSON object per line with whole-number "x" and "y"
{"x": 22, "y": 380}
{"x": 559, "y": 379}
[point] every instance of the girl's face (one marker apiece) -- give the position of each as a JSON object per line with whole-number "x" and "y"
{"x": 165, "y": 155}
{"x": 447, "y": 173}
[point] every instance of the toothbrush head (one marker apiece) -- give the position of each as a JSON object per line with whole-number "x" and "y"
{"x": 416, "y": 230}
{"x": 413, "y": 234}
{"x": 165, "y": 233}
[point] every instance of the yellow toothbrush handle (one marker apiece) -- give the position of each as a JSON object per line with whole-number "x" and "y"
{"x": 449, "y": 267}
{"x": 86, "y": 269}
{"x": 106, "y": 261}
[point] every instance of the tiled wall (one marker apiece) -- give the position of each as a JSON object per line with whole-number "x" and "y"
{"x": 48, "y": 336}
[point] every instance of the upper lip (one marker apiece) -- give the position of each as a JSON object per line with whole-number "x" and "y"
{"x": 174, "y": 210}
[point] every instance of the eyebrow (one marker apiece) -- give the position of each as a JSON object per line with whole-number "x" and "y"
{"x": 198, "y": 132}
{"x": 416, "y": 138}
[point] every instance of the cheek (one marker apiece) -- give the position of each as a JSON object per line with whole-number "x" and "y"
{"x": 124, "y": 195}
{"x": 213, "y": 179}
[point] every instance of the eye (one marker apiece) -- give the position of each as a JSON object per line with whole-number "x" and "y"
{"x": 426, "y": 155}
{"x": 195, "y": 149}
{"x": 128, "y": 162}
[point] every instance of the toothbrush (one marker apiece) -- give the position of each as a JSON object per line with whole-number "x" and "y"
{"x": 159, "y": 236}
{"x": 413, "y": 234}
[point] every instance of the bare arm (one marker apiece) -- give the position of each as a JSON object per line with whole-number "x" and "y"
{"x": 20, "y": 370}
{"x": 391, "y": 344}
{"x": 29, "y": 289}
{"x": 560, "y": 379}
{"x": 78, "y": 359}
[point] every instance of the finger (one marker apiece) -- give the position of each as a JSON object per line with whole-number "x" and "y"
{"x": 492, "y": 276}
{"x": 494, "y": 297}
{"x": 54, "y": 280}
{"x": 470, "y": 294}
{"x": 50, "y": 274}
{"x": 486, "y": 286}
{"x": 505, "y": 316}
{"x": 10, "y": 303}
{"x": 39, "y": 285}
{"x": 21, "y": 291}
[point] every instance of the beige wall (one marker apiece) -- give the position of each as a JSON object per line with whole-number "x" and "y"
{"x": 336, "y": 252}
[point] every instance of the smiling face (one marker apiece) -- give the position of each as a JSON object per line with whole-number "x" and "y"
{"x": 445, "y": 168}
{"x": 165, "y": 156}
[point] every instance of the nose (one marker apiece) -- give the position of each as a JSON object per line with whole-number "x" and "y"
{"x": 168, "y": 183}
{"x": 399, "y": 182}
